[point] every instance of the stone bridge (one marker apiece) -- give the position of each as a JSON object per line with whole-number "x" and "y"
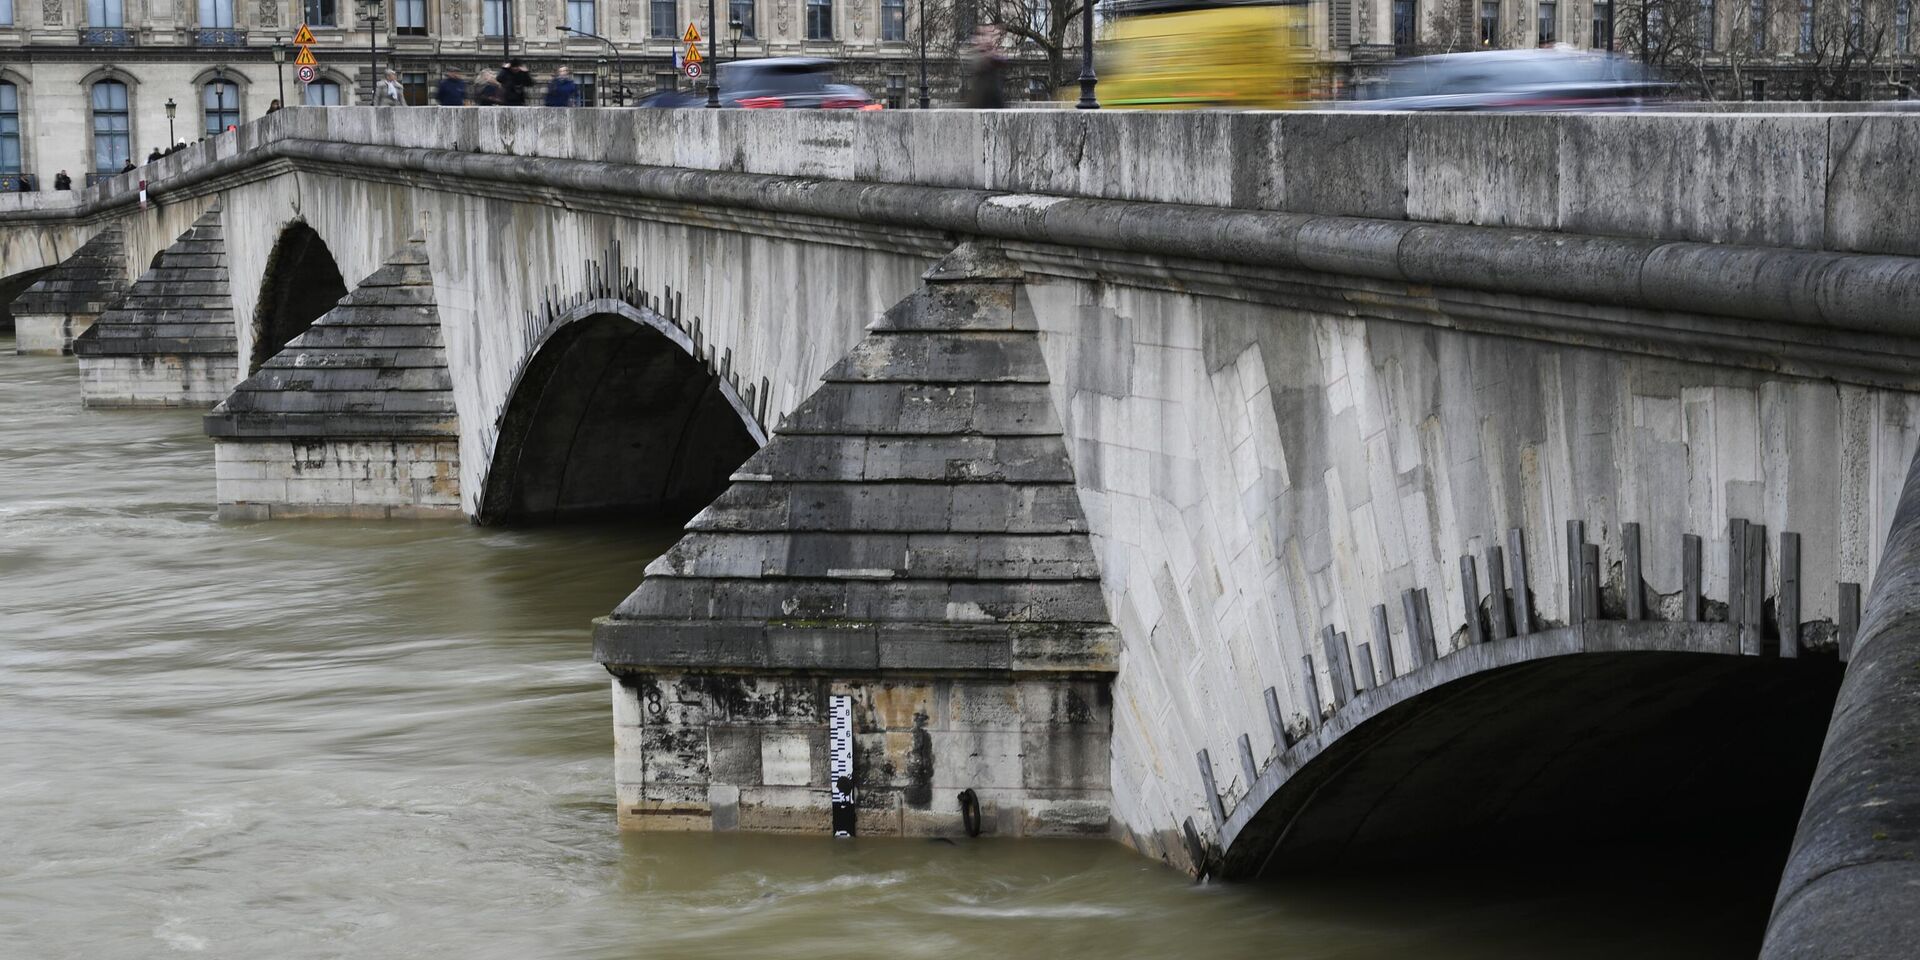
{"x": 1269, "y": 491}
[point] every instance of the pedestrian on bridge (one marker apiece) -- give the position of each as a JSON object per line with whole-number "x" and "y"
{"x": 562, "y": 92}
{"x": 452, "y": 91}
{"x": 515, "y": 81}
{"x": 388, "y": 92}
{"x": 486, "y": 90}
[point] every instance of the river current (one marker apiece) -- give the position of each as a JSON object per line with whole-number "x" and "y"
{"x": 387, "y": 740}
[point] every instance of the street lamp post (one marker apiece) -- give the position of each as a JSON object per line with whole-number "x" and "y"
{"x": 924, "y": 102}
{"x": 1087, "y": 80}
{"x": 280, "y": 66}
{"x": 171, "y": 107}
{"x": 371, "y": 14}
{"x": 219, "y": 100}
{"x": 506, "y": 29}
{"x": 619, "y": 69}
{"x": 734, "y": 29}
{"x": 713, "y": 57}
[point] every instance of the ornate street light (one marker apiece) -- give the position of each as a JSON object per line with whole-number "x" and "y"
{"x": 280, "y": 66}
{"x": 713, "y": 57}
{"x": 219, "y": 99}
{"x": 734, "y": 29}
{"x": 619, "y": 69}
{"x": 171, "y": 107}
{"x": 370, "y": 15}
{"x": 1087, "y": 80}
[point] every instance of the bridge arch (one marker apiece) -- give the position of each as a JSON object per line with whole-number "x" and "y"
{"x": 1555, "y": 743}
{"x": 13, "y": 286}
{"x": 301, "y": 282}
{"x": 613, "y": 411}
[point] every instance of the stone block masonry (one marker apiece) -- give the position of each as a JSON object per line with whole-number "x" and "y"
{"x": 354, "y": 418}
{"x": 910, "y": 539}
{"x": 171, "y": 342}
{"x": 65, "y": 302}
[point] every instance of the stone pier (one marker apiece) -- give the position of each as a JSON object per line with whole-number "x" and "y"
{"x": 62, "y": 304}
{"x": 172, "y": 341}
{"x": 354, "y": 418}
{"x": 910, "y": 539}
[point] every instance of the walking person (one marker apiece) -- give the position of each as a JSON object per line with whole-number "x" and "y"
{"x": 562, "y": 92}
{"x": 486, "y": 89}
{"x": 452, "y": 91}
{"x": 387, "y": 93}
{"x": 62, "y": 182}
{"x": 515, "y": 81}
{"x": 155, "y": 155}
{"x": 986, "y": 88}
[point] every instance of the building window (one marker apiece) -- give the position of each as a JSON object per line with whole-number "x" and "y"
{"x": 112, "y": 136}
{"x": 1546, "y": 19}
{"x": 493, "y": 18}
{"x": 897, "y": 91}
{"x": 580, "y": 16}
{"x": 323, "y": 13}
{"x": 664, "y": 22}
{"x": 220, "y": 105}
{"x": 322, "y": 93}
{"x": 216, "y": 14}
{"x": 1603, "y": 24}
{"x": 1757, "y": 25}
{"x": 819, "y": 19}
{"x": 666, "y": 80}
{"x": 1903, "y": 26}
{"x": 6, "y": 13}
{"x": 414, "y": 87}
{"x": 1489, "y": 22}
{"x": 410, "y": 18}
{"x": 9, "y": 128}
{"x": 1403, "y": 35}
{"x": 106, "y": 13}
{"x": 1806, "y": 26}
{"x": 742, "y": 10}
{"x": 1708, "y": 25}
{"x": 893, "y": 19}
{"x": 589, "y": 92}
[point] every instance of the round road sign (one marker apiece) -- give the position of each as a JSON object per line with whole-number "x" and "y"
{"x": 692, "y": 70}
{"x": 306, "y": 74}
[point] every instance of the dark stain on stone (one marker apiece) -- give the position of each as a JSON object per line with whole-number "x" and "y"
{"x": 918, "y": 792}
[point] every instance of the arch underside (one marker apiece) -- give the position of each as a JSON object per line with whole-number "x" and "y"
{"x": 301, "y": 283}
{"x": 1544, "y": 749}
{"x": 13, "y": 286}
{"x": 613, "y": 415}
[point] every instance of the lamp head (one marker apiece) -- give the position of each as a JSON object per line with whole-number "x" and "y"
{"x": 279, "y": 51}
{"x": 734, "y": 29}
{"x": 171, "y": 107}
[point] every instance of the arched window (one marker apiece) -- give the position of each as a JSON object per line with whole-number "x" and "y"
{"x": 216, "y": 14}
{"x": 322, "y": 93}
{"x": 9, "y": 128}
{"x": 220, "y": 104}
{"x": 112, "y": 135}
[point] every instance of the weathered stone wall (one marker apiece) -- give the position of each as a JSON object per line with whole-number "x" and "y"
{"x": 1254, "y": 474}
{"x": 727, "y": 752}
{"x": 150, "y": 381}
{"x": 400, "y": 479}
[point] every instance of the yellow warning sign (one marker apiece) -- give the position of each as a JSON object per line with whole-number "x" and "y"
{"x": 305, "y": 58}
{"x": 693, "y": 33}
{"x": 692, "y": 55}
{"x": 305, "y": 36}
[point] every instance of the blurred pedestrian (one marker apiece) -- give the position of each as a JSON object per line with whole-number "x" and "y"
{"x": 452, "y": 91}
{"x": 486, "y": 89}
{"x": 129, "y": 167}
{"x": 273, "y": 107}
{"x": 387, "y": 92}
{"x": 986, "y": 88}
{"x": 155, "y": 155}
{"x": 62, "y": 182}
{"x": 562, "y": 92}
{"x": 515, "y": 81}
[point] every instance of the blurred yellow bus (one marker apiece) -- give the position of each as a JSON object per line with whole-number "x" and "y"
{"x": 1182, "y": 54}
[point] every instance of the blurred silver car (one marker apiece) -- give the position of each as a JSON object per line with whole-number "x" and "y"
{"x": 1544, "y": 79}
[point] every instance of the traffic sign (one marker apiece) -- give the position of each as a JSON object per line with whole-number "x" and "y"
{"x": 692, "y": 70}
{"x": 692, "y": 34}
{"x": 304, "y": 37}
{"x": 305, "y": 58}
{"x": 692, "y": 55}
{"x": 305, "y": 73}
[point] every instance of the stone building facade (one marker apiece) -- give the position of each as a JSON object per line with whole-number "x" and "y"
{"x": 84, "y": 84}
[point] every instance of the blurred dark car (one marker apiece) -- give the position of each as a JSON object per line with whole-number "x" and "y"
{"x": 1548, "y": 79}
{"x": 780, "y": 82}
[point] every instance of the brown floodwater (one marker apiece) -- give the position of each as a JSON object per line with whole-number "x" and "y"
{"x": 389, "y": 740}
